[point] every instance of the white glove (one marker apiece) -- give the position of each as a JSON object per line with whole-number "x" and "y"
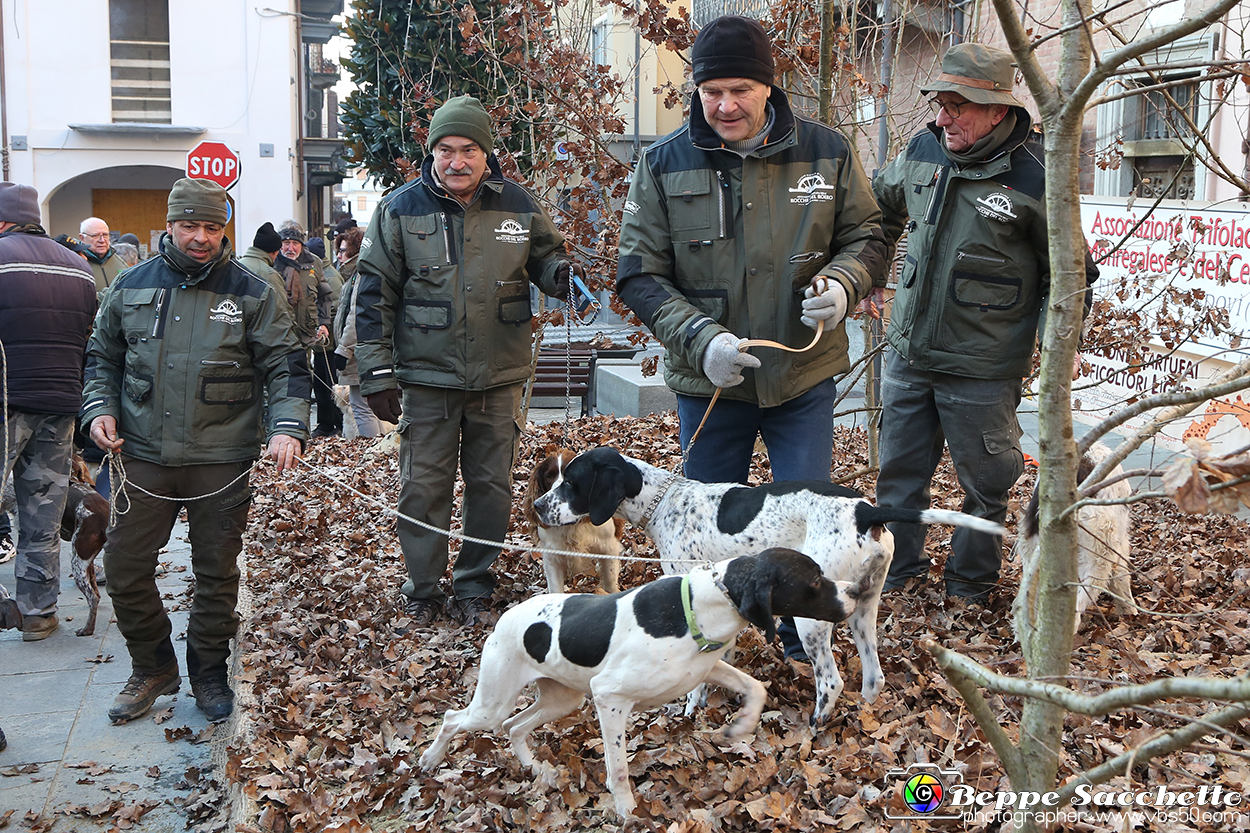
{"x": 825, "y": 300}
{"x": 723, "y": 362}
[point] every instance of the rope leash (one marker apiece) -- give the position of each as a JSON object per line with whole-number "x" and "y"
{"x": 503, "y": 545}
{"x": 118, "y": 482}
{"x": 745, "y": 345}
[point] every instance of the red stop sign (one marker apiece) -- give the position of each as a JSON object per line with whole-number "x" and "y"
{"x": 215, "y": 161}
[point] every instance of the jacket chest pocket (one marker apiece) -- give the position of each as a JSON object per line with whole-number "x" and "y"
{"x": 427, "y": 247}
{"x": 984, "y": 282}
{"x": 240, "y": 391}
{"x": 139, "y": 313}
{"x": 693, "y": 204}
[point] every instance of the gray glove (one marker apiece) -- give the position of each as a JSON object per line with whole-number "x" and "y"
{"x": 825, "y": 300}
{"x": 723, "y": 362}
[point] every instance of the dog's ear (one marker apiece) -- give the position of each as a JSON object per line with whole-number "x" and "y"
{"x": 607, "y": 490}
{"x": 755, "y": 602}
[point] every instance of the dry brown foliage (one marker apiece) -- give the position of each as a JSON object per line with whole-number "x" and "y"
{"x": 344, "y": 703}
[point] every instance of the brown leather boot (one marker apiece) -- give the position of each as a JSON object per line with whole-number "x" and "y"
{"x": 141, "y": 691}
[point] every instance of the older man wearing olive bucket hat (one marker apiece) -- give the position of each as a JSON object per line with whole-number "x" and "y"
{"x": 970, "y": 191}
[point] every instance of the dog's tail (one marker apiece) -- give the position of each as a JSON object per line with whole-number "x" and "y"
{"x": 868, "y": 516}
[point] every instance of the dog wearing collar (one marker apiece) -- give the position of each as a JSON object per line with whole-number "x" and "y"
{"x": 602, "y": 539}
{"x": 641, "y": 649}
{"x": 692, "y": 523}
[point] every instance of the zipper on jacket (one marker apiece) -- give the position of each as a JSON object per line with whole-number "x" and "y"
{"x": 220, "y": 364}
{"x": 939, "y": 193}
{"x": 993, "y": 261}
{"x": 446, "y": 235}
{"x": 160, "y": 306}
{"x": 720, "y": 200}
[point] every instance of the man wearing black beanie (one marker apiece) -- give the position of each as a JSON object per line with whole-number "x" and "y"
{"x": 260, "y": 255}
{"x": 749, "y": 222}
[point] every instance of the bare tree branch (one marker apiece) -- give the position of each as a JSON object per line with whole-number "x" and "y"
{"x": 1236, "y": 690}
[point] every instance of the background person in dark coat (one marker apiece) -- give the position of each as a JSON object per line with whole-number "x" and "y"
{"x": 47, "y": 302}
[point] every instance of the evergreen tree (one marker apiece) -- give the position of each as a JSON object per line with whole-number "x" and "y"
{"x": 407, "y": 57}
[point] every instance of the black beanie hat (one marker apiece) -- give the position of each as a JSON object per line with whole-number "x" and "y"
{"x": 266, "y": 239}
{"x": 732, "y": 47}
{"x": 317, "y": 246}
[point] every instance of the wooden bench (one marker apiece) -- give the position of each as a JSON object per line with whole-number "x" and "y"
{"x": 565, "y": 372}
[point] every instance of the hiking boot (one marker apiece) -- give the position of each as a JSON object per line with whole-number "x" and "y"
{"x": 35, "y": 628}
{"x": 213, "y": 697}
{"x": 7, "y": 549}
{"x": 422, "y": 612}
{"x": 141, "y": 691}
{"x": 474, "y": 612}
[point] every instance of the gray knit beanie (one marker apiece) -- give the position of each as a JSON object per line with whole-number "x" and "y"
{"x": 19, "y": 204}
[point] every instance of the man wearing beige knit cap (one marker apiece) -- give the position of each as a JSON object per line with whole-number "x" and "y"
{"x": 184, "y": 346}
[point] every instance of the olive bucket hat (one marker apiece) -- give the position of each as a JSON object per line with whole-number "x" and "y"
{"x": 980, "y": 73}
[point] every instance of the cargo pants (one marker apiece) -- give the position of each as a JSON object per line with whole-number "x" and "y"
{"x": 976, "y": 419}
{"x": 215, "y": 526}
{"x": 40, "y": 447}
{"x": 441, "y": 430}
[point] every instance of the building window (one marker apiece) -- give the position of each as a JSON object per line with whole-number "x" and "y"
{"x": 139, "y": 53}
{"x": 1160, "y": 119}
{"x": 599, "y": 35}
{"x": 1145, "y": 145}
{"x": 362, "y": 202}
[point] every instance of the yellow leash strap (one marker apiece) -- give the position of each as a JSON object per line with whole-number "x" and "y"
{"x": 742, "y": 348}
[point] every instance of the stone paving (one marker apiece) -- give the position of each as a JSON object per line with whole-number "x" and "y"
{"x": 54, "y": 699}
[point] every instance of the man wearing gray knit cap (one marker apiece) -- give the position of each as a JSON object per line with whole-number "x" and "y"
{"x": 749, "y": 222}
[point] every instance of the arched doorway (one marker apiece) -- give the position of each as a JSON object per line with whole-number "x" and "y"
{"x": 130, "y": 198}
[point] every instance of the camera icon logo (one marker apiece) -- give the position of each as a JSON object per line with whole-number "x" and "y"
{"x": 924, "y": 789}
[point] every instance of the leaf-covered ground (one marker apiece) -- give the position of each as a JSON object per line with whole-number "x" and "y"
{"x": 345, "y": 699}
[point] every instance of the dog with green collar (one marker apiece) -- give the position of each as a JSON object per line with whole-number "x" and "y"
{"x": 641, "y": 649}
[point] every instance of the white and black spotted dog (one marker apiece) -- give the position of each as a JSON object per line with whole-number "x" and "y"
{"x": 693, "y": 523}
{"x": 639, "y": 650}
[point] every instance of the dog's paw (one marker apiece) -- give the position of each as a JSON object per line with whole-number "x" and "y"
{"x": 430, "y": 761}
{"x": 872, "y": 687}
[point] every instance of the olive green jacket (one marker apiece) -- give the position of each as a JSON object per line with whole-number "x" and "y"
{"x": 261, "y": 264}
{"x": 712, "y": 242}
{"x": 180, "y": 360}
{"x": 976, "y": 276}
{"x": 104, "y": 269}
{"x": 443, "y": 288}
